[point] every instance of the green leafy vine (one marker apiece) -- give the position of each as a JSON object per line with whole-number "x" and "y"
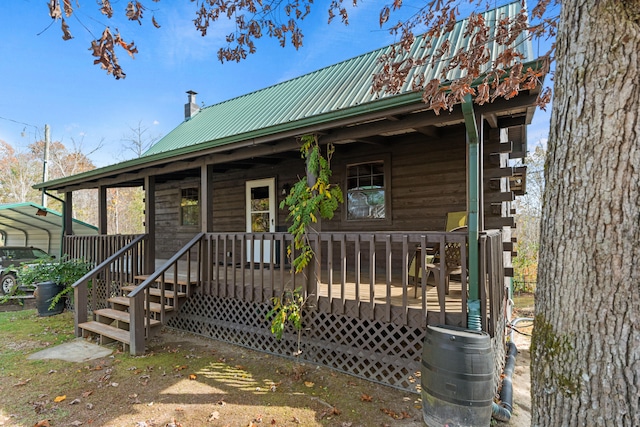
{"x": 288, "y": 308}
{"x": 306, "y": 201}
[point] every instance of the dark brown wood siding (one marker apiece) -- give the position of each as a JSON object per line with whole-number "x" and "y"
{"x": 170, "y": 234}
{"x": 427, "y": 179}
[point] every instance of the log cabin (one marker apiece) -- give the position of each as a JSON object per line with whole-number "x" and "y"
{"x": 215, "y": 248}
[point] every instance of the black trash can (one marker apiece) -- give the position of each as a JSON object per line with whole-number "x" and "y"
{"x": 44, "y": 294}
{"x": 457, "y": 377}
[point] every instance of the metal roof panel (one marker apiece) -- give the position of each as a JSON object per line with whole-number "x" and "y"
{"x": 329, "y": 90}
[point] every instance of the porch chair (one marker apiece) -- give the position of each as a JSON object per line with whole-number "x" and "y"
{"x": 454, "y": 221}
{"x": 452, "y": 262}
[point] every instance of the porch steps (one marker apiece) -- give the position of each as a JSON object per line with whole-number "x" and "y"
{"x": 155, "y": 292}
{"x": 109, "y": 316}
{"x": 104, "y": 330}
{"x": 153, "y": 306}
{"x": 169, "y": 279}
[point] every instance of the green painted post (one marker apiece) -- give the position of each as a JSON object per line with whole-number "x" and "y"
{"x": 474, "y": 199}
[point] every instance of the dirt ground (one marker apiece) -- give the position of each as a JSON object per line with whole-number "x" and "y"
{"x": 521, "y": 416}
{"x": 185, "y": 380}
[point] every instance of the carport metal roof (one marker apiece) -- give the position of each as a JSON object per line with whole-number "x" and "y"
{"x": 29, "y": 224}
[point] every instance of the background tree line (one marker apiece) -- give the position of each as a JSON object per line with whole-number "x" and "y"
{"x": 21, "y": 169}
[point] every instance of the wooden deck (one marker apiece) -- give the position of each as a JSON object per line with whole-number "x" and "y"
{"x": 264, "y": 279}
{"x": 360, "y": 276}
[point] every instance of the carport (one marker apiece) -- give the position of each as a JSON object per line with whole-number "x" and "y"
{"x": 29, "y": 224}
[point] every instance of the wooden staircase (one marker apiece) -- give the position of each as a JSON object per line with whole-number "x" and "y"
{"x": 113, "y": 324}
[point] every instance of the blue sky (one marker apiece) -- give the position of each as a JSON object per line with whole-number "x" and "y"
{"x": 45, "y": 80}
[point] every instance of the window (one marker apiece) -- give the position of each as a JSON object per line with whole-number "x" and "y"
{"x": 189, "y": 207}
{"x": 366, "y": 191}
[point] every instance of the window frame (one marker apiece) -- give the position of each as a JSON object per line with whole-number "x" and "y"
{"x": 183, "y": 206}
{"x": 385, "y": 159}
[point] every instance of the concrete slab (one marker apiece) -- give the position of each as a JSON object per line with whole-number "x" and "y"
{"x": 77, "y": 350}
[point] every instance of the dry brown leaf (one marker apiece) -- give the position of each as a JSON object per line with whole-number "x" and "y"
{"x": 87, "y": 394}
{"x": 21, "y": 383}
{"x": 330, "y": 412}
{"x": 366, "y": 398}
{"x": 192, "y": 376}
{"x": 43, "y": 423}
{"x": 309, "y": 384}
{"x": 214, "y": 416}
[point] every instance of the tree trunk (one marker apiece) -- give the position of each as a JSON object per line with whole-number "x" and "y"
{"x": 586, "y": 344}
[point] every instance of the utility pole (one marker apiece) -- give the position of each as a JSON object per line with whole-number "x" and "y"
{"x": 45, "y": 169}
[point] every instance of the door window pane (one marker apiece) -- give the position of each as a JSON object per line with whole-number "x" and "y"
{"x": 260, "y": 222}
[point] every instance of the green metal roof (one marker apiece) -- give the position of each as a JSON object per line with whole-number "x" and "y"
{"x": 322, "y": 94}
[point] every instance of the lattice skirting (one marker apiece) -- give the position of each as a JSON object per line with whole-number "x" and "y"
{"x": 381, "y": 352}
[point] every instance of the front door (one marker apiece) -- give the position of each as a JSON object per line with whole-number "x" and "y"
{"x": 261, "y": 215}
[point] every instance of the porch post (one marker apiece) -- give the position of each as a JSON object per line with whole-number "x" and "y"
{"x": 473, "y": 202}
{"x": 206, "y": 220}
{"x": 206, "y": 196}
{"x": 150, "y": 223}
{"x": 68, "y": 213}
{"x": 102, "y": 210}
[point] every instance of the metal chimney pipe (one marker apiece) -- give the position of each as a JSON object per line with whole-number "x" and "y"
{"x": 191, "y": 108}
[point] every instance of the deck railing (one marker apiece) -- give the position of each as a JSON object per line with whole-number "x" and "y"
{"x": 366, "y": 275}
{"x": 180, "y": 271}
{"x": 95, "y": 249}
{"x": 117, "y": 260}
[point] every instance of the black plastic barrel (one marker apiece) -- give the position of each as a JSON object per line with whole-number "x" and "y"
{"x": 457, "y": 377}
{"x": 44, "y": 293}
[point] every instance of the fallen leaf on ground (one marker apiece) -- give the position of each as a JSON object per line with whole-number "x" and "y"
{"x": 74, "y": 401}
{"x": 21, "y": 383}
{"x": 330, "y": 412}
{"x": 214, "y": 416}
{"x": 87, "y": 394}
{"x": 43, "y": 423}
{"x": 59, "y": 398}
{"x": 395, "y": 415}
{"x": 309, "y": 384}
{"x": 192, "y": 376}
{"x": 366, "y": 398}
